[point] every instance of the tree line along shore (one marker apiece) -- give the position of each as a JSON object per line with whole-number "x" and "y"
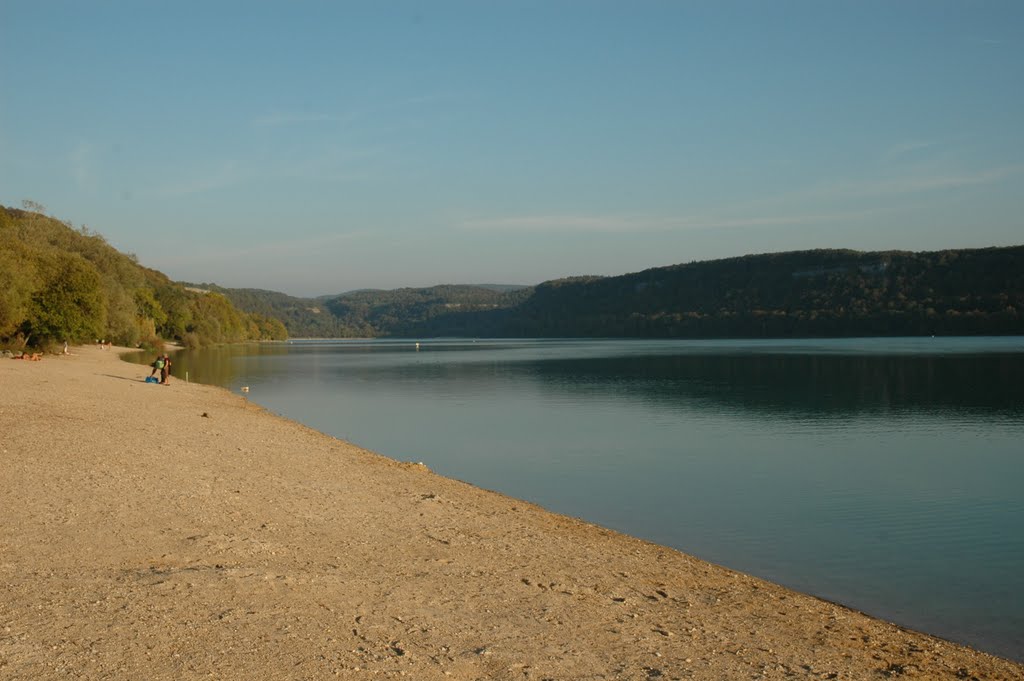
{"x": 62, "y": 284}
{"x": 820, "y": 293}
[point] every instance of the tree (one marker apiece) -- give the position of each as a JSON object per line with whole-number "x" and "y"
{"x": 70, "y": 305}
{"x": 149, "y": 307}
{"x": 215, "y": 320}
{"x": 122, "y": 315}
{"x": 19, "y": 278}
{"x": 267, "y": 328}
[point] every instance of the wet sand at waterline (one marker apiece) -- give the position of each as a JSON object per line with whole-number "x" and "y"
{"x": 180, "y": 532}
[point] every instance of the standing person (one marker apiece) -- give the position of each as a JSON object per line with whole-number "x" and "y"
{"x": 165, "y": 373}
{"x": 158, "y": 365}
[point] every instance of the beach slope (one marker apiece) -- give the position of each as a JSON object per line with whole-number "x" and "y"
{"x": 152, "y": 532}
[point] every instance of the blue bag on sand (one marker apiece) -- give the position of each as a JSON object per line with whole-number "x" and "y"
{"x": 152, "y": 379}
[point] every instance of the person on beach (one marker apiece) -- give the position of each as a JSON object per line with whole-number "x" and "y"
{"x": 165, "y": 372}
{"x": 158, "y": 365}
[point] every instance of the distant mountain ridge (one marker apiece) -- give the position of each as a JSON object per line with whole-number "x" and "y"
{"x": 792, "y": 294}
{"x": 58, "y": 283}
{"x": 369, "y": 312}
{"x": 830, "y": 292}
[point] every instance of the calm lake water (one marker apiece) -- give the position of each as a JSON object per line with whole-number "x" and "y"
{"x": 884, "y": 474}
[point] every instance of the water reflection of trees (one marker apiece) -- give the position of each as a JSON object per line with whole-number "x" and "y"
{"x": 812, "y": 385}
{"x": 221, "y": 364}
{"x": 807, "y": 386}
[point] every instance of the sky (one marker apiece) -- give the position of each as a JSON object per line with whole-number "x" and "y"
{"x": 316, "y": 147}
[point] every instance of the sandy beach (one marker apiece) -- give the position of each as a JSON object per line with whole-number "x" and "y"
{"x": 181, "y": 532}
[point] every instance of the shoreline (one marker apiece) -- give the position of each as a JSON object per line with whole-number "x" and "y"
{"x": 182, "y": 532}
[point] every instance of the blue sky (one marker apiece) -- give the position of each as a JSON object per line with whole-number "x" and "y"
{"x": 317, "y": 147}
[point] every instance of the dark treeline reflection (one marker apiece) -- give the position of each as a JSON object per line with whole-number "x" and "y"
{"x": 800, "y": 385}
{"x": 220, "y": 365}
{"x": 806, "y": 386}
{"x": 226, "y": 365}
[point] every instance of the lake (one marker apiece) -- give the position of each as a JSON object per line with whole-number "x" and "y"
{"x": 884, "y": 474}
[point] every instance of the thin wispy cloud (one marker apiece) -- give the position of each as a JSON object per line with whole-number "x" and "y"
{"x": 626, "y": 224}
{"x": 423, "y": 99}
{"x": 252, "y": 250}
{"x": 918, "y": 181}
{"x": 291, "y": 118}
{"x": 305, "y": 246}
{"x": 82, "y": 161}
{"x": 898, "y": 151}
{"x": 914, "y": 183}
{"x": 280, "y": 119}
{"x": 334, "y": 164}
{"x": 331, "y": 165}
{"x": 227, "y": 174}
{"x": 576, "y": 223}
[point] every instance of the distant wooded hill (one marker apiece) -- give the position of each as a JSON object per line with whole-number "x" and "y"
{"x": 372, "y": 313}
{"x": 61, "y": 284}
{"x": 794, "y": 294}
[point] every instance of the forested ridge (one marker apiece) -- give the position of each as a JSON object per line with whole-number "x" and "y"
{"x": 816, "y": 293}
{"x": 793, "y": 294}
{"x": 372, "y": 313}
{"x": 62, "y": 284}
{"x": 59, "y": 283}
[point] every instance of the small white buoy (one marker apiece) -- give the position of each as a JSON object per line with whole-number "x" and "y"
{"x": 245, "y": 388}
{"x": 417, "y": 345}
